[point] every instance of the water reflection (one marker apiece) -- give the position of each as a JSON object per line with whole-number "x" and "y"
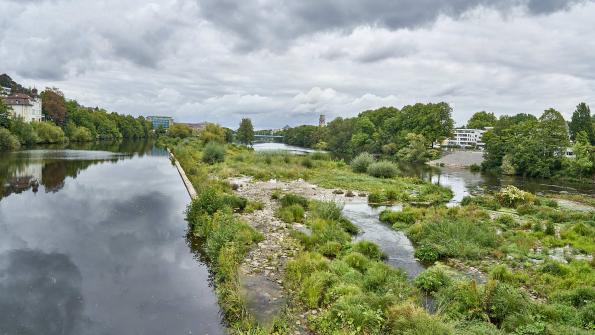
{"x": 100, "y": 248}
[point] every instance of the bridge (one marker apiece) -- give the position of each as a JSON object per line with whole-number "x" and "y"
{"x": 269, "y": 138}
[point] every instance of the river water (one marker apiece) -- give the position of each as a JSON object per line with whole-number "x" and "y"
{"x": 94, "y": 242}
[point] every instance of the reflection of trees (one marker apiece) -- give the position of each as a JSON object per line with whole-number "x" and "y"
{"x": 40, "y": 293}
{"x": 55, "y": 171}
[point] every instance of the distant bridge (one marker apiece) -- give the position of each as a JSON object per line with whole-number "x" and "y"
{"x": 269, "y": 138}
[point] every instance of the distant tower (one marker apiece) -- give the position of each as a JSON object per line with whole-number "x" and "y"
{"x": 322, "y": 121}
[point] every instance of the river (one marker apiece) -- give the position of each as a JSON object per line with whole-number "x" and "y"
{"x": 94, "y": 241}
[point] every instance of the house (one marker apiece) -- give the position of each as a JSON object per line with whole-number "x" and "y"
{"x": 24, "y": 106}
{"x": 465, "y": 138}
{"x": 4, "y": 91}
{"x": 160, "y": 121}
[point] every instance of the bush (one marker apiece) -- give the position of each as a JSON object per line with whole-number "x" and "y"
{"x": 410, "y": 319}
{"x": 502, "y": 300}
{"x": 293, "y": 199}
{"x": 48, "y": 132}
{"x": 213, "y": 153}
{"x": 383, "y": 169}
{"x": 315, "y": 287}
{"x": 369, "y": 249}
{"x": 527, "y": 209}
{"x": 404, "y": 218}
{"x": 292, "y": 213}
{"x": 81, "y": 134}
{"x": 474, "y": 168}
{"x": 377, "y": 197}
{"x": 8, "y": 142}
{"x": 481, "y": 201}
{"x": 357, "y": 261}
{"x": 512, "y": 197}
{"x": 427, "y": 254}
{"x": 330, "y": 249}
{"x": 234, "y": 202}
{"x": 431, "y": 280}
{"x": 361, "y": 162}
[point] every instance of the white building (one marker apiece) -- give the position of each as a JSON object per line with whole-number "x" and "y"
{"x": 465, "y": 138}
{"x": 25, "y": 107}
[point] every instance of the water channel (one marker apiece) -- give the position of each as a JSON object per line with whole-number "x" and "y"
{"x": 93, "y": 241}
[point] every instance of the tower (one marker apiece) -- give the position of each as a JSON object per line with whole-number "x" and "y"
{"x": 322, "y": 121}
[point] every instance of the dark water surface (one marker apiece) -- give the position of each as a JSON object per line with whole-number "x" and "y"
{"x": 94, "y": 242}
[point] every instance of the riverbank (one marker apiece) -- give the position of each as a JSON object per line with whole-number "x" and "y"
{"x": 295, "y": 265}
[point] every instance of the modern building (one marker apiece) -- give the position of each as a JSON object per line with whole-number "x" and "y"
{"x": 160, "y": 121}
{"x": 465, "y": 138}
{"x": 24, "y": 106}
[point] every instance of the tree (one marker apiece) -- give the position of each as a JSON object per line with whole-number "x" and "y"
{"x": 246, "y": 132}
{"x": 581, "y": 121}
{"x": 481, "y": 120}
{"x": 4, "y": 115}
{"x": 54, "y": 106}
{"x": 583, "y": 163}
{"x": 179, "y": 131}
{"x": 417, "y": 149}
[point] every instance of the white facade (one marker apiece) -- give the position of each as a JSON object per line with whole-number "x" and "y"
{"x": 25, "y": 107}
{"x": 465, "y": 138}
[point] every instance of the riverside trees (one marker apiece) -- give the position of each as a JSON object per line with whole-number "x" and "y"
{"x": 382, "y": 131}
{"x": 525, "y": 145}
{"x": 245, "y": 133}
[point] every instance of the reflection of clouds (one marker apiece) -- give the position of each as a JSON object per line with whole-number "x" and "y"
{"x": 40, "y": 293}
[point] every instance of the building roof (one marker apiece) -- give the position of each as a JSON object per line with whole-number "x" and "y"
{"x": 18, "y": 99}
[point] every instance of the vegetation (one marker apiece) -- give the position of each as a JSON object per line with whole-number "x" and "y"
{"x": 361, "y": 162}
{"x": 381, "y": 132}
{"x": 527, "y": 146}
{"x": 245, "y": 134}
{"x": 8, "y": 141}
{"x": 481, "y": 120}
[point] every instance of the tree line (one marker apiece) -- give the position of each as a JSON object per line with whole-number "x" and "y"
{"x": 529, "y": 146}
{"x": 405, "y": 133}
{"x": 67, "y": 120}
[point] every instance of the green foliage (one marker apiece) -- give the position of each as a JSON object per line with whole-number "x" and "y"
{"x": 179, "y": 131}
{"x": 48, "y": 132}
{"x": 293, "y": 199}
{"x": 4, "y": 115}
{"x": 213, "y": 153}
{"x": 581, "y": 122}
{"x": 432, "y": 280}
{"x": 506, "y": 220}
{"x": 383, "y": 169}
{"x": 214, "y": 133}
{"x": 427, "y": 254}
{"x": 460, "y": 233}
{"x": 416, "y": 150}
{"x": 413, "y": 320}
{"x": 245, "y": 133}
{"x": 402, "y": 219}
{"x": 481, "y": 120}
{"x": 483, "y": 201}
{"x": 361, "y": 162}
{"x": 369, "y": 249}
{"x": 24, "y": 132}
{"x": 511, "y": 196}
{"x": 291, "y": 213}
{"x": 79, "y": 134}
{"x": 8, "y": 142}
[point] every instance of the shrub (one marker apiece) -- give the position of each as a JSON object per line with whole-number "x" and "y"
{"x": 502, "y": 273}
{"x": 474, "y": 168}
{"x": 432, "y": 280}
{"x": 315, "y": 287}
{"x": 81, "y": 134}
{"x": 577, "y": 297}
{"x": 48, "y": 132}
{"x": 410, "y": 319}
{"x": 481, "y": 201}
{"x": 351, "y": 314}
{"x": 404, "y": 218}
{"x": 502, "y": 300}
{"x": 427, "y": 254}
{"x": 293, "y": 199}
{"x": 330, "y": 249}
{"x": 362, "y": 162}
{"x": 383, "y": 169}
{"x": 512, "y": 197}
{"x": 376, "y": 197}
{"x": 461, "y": 301}
{"x": 551, "y": 203}
{"x": 550, "y": 229}
{"x": 587, "y": 315}
{"x": 527, "y": 209}
{"x": 213, "y": 153}
{"x": 369, "y": 249}
{"x": 357, "y": 261}
{"x": 234, "y": 201}
{"x": 8, "y": 142}
{"x": 292, "y": 213}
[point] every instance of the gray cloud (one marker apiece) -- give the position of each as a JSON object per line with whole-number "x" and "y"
{"x": 272, "y": 24}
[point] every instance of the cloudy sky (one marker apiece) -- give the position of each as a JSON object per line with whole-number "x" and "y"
{"x": 285, "y": 62}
